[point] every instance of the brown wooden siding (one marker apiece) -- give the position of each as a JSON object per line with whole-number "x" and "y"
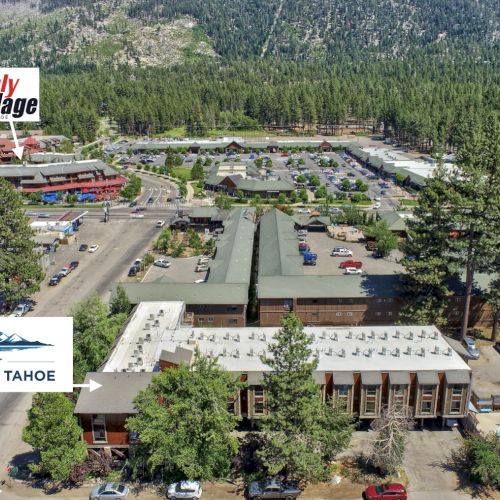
{"x": 212, "y": 315}
{"x": 116, "y": 434}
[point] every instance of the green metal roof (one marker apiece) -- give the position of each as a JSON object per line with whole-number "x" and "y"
{"x": 255, "y": 185}
{"x": 394, "y": 221}
{"x": 204, "y": 212}
{"x": 306, "y": 220}
{"x": 190, "y": 293}
{"x": 278, "y": 246}
{"x": 320, "y": 286}
{"x": 233, "y": 259}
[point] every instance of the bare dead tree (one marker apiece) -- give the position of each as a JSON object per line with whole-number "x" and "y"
{"x": 390, "y": 442}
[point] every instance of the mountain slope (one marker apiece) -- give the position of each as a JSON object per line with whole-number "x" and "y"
{"x": 163, "y": 32}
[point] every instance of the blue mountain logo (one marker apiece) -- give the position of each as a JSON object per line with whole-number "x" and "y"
{"x": 15, "y": 342}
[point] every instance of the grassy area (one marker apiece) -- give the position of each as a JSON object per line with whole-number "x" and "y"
{"x": 220, "y": 132}
{"x": 182, "y": 173}
{"x": 408, "y": 203}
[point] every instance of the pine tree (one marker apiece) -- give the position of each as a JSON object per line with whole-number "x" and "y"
{"x": 303, "y": 434}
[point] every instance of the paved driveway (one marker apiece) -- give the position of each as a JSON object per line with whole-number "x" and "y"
{"x": 427, "y": 465}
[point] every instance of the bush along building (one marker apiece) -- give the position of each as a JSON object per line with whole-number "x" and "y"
{"x": 365, "y": 367}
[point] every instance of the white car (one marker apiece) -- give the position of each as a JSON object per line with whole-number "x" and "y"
{"x": 160, "y": 223}
{"x": 20, "y": 310}
{"x": 190, "y": 490}
{"x": 353, "y": 270}
{"x": 162, "y": 263}
{"x": 304, "y": 210}
{"x": 377, "y": 205}
{"x": 377, "y": 198}
{"x": 341, "y": 252}
{"x": 93, "y": 248}
{"x": 200, "y": 281}
{"x": 65, "y": 271}
{"x": 201, "y": 268}
{"x": 136, "y": 215}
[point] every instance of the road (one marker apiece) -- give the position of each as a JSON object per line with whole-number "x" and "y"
{"x": 120, "y": 242}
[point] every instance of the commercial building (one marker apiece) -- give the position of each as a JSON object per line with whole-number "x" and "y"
{"x": 369, "y": 299}
{"x": 79, "y": 177}
{"x": 247, "y": 179}
{"x": 365, "y": 367}
{"x": 222, "y": 300}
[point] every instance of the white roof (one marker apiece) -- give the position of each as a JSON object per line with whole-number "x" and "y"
{"x": 380, "y": 348}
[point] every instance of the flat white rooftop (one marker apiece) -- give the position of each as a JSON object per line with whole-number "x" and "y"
{"x": 381, "y": 348}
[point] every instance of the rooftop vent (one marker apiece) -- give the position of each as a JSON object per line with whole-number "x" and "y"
{"x": 362, "y": 336}
{"x": 313, "y": 337}
{"x": 252, "y": 336}
{"x": 210, "y": 353}
{"x": 157, "y": 322}
{"x": 202, "y": 336}
{"x": 139, "y": 361}
{"x": 212, "y": 337}
{"x": 130, "y": 365}
{"x": 423, "y": 334}
{"x": 435, "y": 335}
{"x": 317, "y": 353}
{"x": 136, "y": 353}
{"x": 192, "y": 335}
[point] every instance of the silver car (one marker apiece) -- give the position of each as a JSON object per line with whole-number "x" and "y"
{"x": 109, "y": 491}
{"x": 184, "y": 490}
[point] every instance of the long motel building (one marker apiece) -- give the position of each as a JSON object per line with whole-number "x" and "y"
{"x": 365, "y": 367}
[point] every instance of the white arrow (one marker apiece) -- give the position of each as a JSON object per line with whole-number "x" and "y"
{"x": 18, "y": 150}
{"x": 92, "y": 385}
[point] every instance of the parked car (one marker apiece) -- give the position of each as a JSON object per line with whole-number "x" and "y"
{"x": 55, "y": 280}
{"x": 93, "y": 248}
{"x": 83, "y": 247}
{"x": 109, "y": 491}
{"x": 351, "y": 263}
{"x": 377, "y": 205}
{"x": 203, "y": 260}
{"x": 353, "y": 270}
{"x": 273, "y": 488}
{"x": 132, "y": 203}
{"x": 20, "y": 310}
{"x": 133, "y": 271}
{"x": 391, "y": 491}
{"x": 304, "y": 210}
{"x": 200, "y": 268}
{"x": 302, "y": 232}
{"x": 377, "y": 254}
{"x": 473, "y": 352}
{"x": 469, "y": 342}
{"x": 184, "y": 490}
{"x": 200, "y": 281}
{"x": 160, "y": 223}
{"x": 64, "y": 272}
{"x": 73, "y": 264}
{"x": 43, "y": 216}
{"x": 341, "y": 252}
{"x": 162, "y": 263}
{"x": 137, "y": 262}
{"x": 136, "y": 215}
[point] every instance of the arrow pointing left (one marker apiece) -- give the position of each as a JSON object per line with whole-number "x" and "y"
{"x": 18, "y": 150}
{"x": 91, "y": 386}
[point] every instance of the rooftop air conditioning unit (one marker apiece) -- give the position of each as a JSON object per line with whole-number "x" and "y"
{"x": 397, "y": 334}
{"x": 250, "y": 352}
{"x": 435, "y": 335}
{"x": 148, "y": 337}
{"x": 334, "y": 336}
{"x": 252, "y": 336}
{"x": 423, "y": 334}
{"x": 140, "y": 340}
{"x": 323, "y": 335}
{"x": 384, "y": 336}
{"x": 362, "y": 336}
{"x": 372, "y": 334}
{"x": 161, "y": 312}
{"x": 422, "y": 352}
{"x": 237, "y": 337}
{"x": 236, "y": 353}
{"x": 157, "y": 322}
{"x": 437, "y": 350}
{"x": 131, "y": 365}
{"x": 317, "y": 353}
{"x": 202, "y": 336}
{"x": 147, "y": 326}
{"x": 124, "y": 370}
{"x": 151, "y": 316}
{"x": 313, "y": 337}
{"x": 371, "y": 352}
{"x": 410, "y": 336}
{"x": 224, "y": 352}
{"x": 139, "y": 361}
{"x": 226, "y": 336}
{"x": 383, "y": 352}
{"x": 263, "y": 337}
{"x": 408, "y": 351}
{"x": 143, "y": 370}
{"x": 330, "y": 351}
{"x": 397, "y": 352}
{"x": 357, "y": 351}
{"x": 349, "y": 335}
{"x": 212, "y": 337}
{"x": 448, "y": 351}
{"x": 342, "y": 353}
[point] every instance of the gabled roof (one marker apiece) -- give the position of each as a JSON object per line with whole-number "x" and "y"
{"x": 116, "y": 394}
{"x": 255, "y": 185}
{"x": 395, "y": 221}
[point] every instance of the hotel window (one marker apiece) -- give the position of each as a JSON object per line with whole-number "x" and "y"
{"x": 99, "y": 429}
{"x": 371, "y": 390}
{"x": 210, "y": 319}
{"x": 258, "y": 391}
{"x": 370, "y": 408}
{"x": 426, "y": 407}
{"x": 427, "y": 390}
{"x": 456, "y": 390}
{"x": 378, "y": 313}
{"x": 380, "y": 300}
{"x": 201, "y": 320}
{"x": 455, "y": 406}
{"x": 343, "y": 390}
{"x": 389, "y": 313}
{"x": 338, "y": 314}
{"x": 233, "y": 321}
{"x": 349, "y": 313}
{"x": 258, "y": 407}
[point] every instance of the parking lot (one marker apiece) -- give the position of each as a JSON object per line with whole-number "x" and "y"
{"x": 322, "y": 245}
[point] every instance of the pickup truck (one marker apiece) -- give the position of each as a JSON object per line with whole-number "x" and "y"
{"x": 351, "y": 263}
{"x": 310, "y": 258}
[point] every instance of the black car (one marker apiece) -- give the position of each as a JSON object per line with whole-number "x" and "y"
{"x": 377, "y": 254}
{"x": 133, "y": 270}
{"x": 132, "y": 204}
{"x": 55, "y": 280}
{"x": 83, "y": 247}
{"x": 273, "y": 488}
{"x": 351, "y": 174}
{"x": 73, "y": 264}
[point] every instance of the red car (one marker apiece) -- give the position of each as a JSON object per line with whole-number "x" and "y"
{"x": 391, "y": 491}
{"x": 351, "y": 263}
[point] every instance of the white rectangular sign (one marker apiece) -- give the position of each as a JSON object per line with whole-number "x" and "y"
{"x": 19, "y": 94}
{"x": 36, "y": 354}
